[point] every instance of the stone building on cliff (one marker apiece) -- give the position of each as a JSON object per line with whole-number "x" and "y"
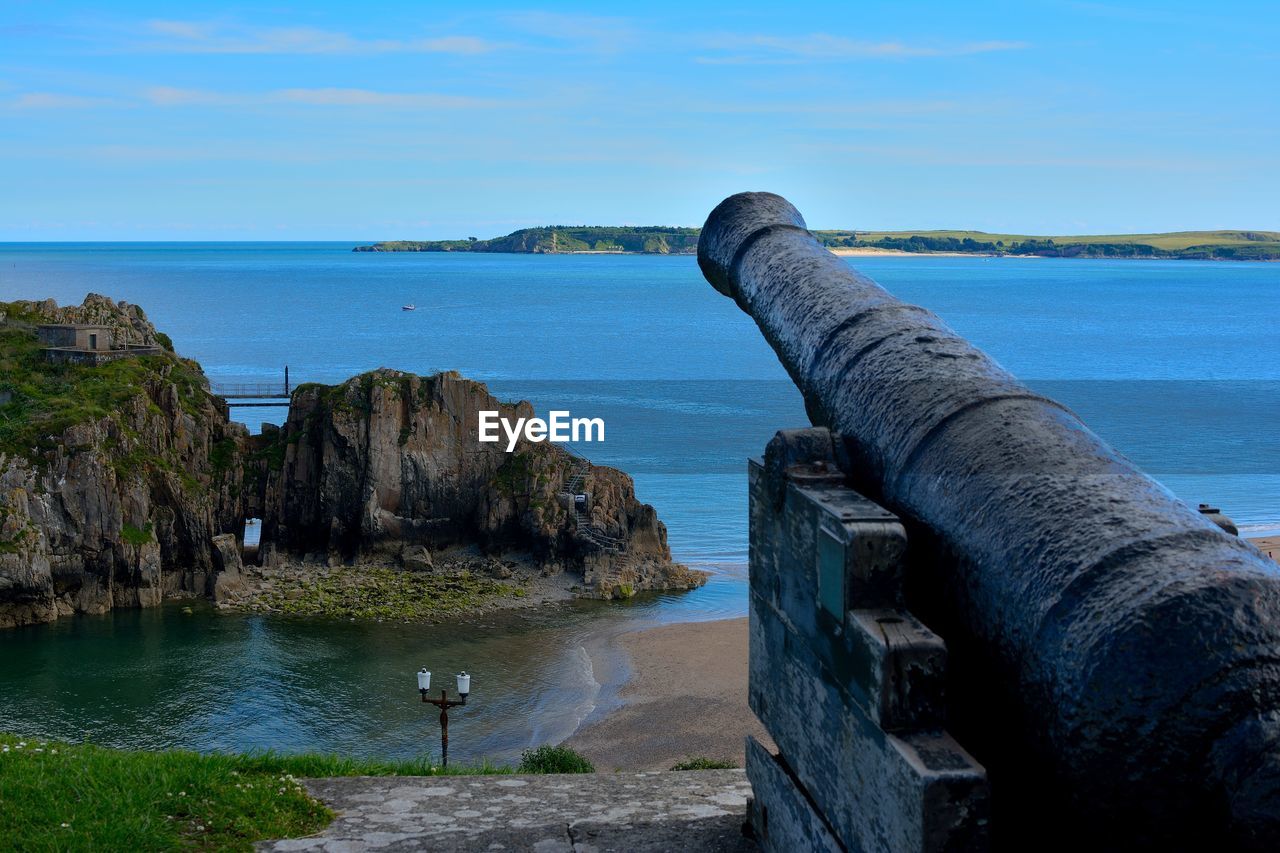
{"x": 85, "y": 343}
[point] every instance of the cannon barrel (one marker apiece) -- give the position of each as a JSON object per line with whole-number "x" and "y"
{"x": 1135, "y": 645}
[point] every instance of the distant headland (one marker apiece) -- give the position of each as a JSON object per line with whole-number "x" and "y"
{"x": 559, "y": 240}
{"x": 660, "y": 240}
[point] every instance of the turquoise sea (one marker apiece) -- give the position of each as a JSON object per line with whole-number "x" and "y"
{"x": 1176, "y": 363}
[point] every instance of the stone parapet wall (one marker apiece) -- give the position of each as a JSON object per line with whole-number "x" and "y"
{"x": 93, "y": 358}
{"x": 849, "y": 684}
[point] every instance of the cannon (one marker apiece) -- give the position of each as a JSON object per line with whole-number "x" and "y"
{"x": 1114, "y": 655}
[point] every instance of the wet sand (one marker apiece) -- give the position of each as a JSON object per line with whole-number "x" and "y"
{"x": 681, "y": 692}
{"x": 1269, "y": 545}
{"x": 686, "y": 697}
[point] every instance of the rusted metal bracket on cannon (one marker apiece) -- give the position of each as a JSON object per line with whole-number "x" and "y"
{"x": 834, "y": 651}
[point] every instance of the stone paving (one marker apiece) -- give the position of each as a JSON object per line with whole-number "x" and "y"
{"x": 700, "y": 810}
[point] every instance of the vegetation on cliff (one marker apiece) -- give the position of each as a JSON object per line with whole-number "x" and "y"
{"x": 1183, "y": 245}
{"x": 126, "y": 484}
{"x": 39, "y": 401}
{"x": 559, "y": 239}
{"x": 387, "y": 466}
{"x": 115, "y": 479}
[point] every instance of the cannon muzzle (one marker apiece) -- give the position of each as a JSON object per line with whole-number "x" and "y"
{"x": 1134, "y": 647}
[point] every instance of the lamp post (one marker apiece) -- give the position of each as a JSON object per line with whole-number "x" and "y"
{"x": 444, "y": 703}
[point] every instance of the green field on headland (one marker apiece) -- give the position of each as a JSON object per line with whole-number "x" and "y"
{"x": 560, "y": 239}
{"x": 1197, "y": 245}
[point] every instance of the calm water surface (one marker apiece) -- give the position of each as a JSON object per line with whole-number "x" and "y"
{"x": 1175, "y": 363}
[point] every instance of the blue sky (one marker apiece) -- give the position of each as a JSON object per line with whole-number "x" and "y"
{"x": 354, "y": 121}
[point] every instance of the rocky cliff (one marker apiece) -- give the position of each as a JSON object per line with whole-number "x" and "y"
{"x": 389, "y": 464}
{"x": 125, "y": 484}
{"x": 115, "y": 481}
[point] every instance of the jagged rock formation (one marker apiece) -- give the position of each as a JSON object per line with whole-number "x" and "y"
{"x": 128, "y": 323}
{"x": 125, "y": 484}
{"x": 114, "y": 480}
{"x": 389, "y": 464}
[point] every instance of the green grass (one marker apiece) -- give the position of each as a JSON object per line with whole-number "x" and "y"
{"x": 375, "y": 592}
{"x": 45, "y": 399}
{"x": 131, "y": 535}
{"x": 59, "y": 796}
{"x": 1258, "y": 245}
{"x": 561, "y": 238}
{"x": 222, "y": 454}
{"x": 1172, "y": 241}
{"x": 513, "y": 477}
{"x": 554, "y": 759}
{"x": 701, "y": 763}
{"x": 1238, "y": 245}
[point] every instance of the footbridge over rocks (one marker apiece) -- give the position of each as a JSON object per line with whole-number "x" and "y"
{"x": 255, "y": 394}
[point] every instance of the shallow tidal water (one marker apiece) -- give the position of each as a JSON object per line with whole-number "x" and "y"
{"x": 1175, "y": 363}
{"x": 186, "y": 675}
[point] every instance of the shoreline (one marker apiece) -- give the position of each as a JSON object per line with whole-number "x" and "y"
{"x": 668, "y": 694}
{"x": 841, "y": 251}
{"x": 874, "y": 251}
{"x": 675, "y": 691}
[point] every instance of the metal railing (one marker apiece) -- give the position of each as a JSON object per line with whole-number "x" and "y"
{"x": 587, "y": 529}
{"x": 253, "y": 390}
{"x": 249, "y": 390}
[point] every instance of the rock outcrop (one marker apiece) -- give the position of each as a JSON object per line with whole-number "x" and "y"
{"x": 126, "y": 484}
{"x": 114, "y": 480}
{"x": 128, "y": 323}
{"x": 390, "y": 464}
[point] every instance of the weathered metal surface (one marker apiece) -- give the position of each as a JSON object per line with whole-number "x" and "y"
{"x": 1133, "y": 646}
{"x": 780, "y": 813}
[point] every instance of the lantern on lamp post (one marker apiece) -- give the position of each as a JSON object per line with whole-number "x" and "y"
{"x": 444, "y": 703}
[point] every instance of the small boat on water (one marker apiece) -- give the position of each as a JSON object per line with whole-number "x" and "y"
{"x": 409, "y": 307}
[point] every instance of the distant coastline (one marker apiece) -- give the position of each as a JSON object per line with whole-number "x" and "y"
{"x": 660, "y": 240}
{"x": 562, "y": 240}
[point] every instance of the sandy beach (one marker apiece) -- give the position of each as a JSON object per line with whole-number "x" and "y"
{"x": 862, "y": 251}
{"x": 681, "y": 692}
{"x": 686, "y": 697}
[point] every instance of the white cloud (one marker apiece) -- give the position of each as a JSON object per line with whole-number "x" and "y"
{"x": 166, "y": 96}
{"x": 368, "y": 98}
{"x": 181, "y": 29}
{"x": 763, "y": 49}
{"x": 55, "y": 101}
{"x": 210, "y": 37}
{"x": 592, "y": 32}
{"x": 868, "y": 108}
